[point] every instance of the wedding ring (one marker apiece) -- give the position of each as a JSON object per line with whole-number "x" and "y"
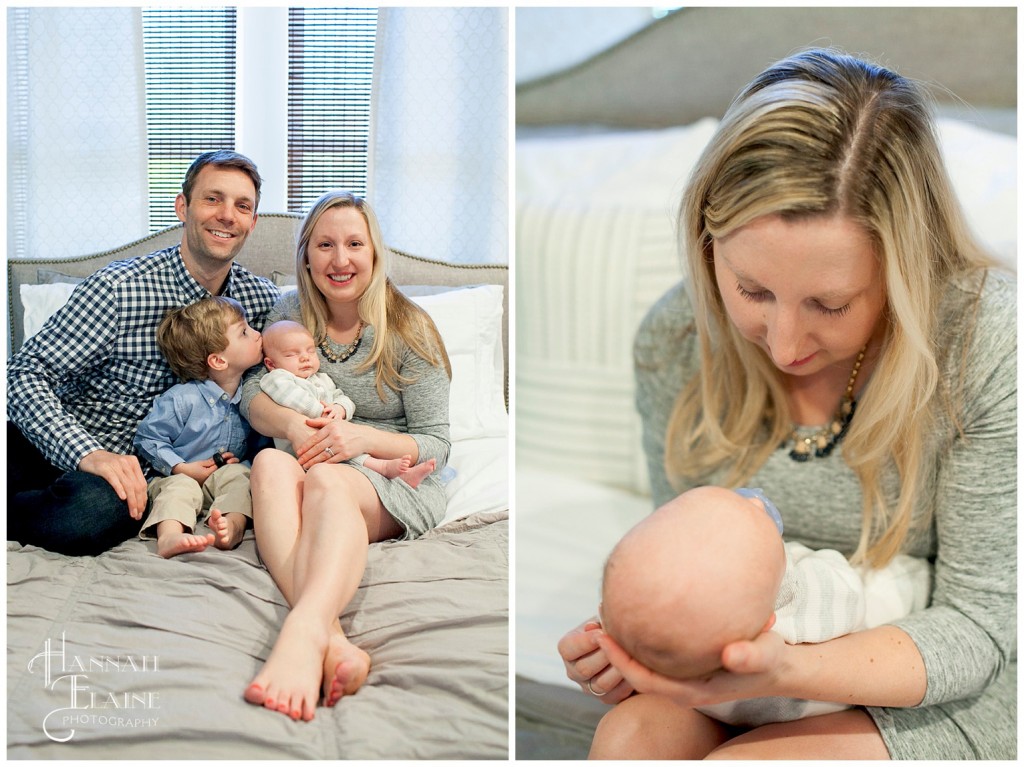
{"x": 330, "y": 453}
{"x": 594, "y": 692}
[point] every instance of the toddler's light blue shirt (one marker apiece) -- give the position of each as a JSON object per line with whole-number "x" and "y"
{"x": 190, "y": 422}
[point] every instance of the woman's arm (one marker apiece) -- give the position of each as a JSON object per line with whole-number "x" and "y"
{"x": 273, "y": 420}
{"x": 415, "y": 421}
{"x": 877, "y": 667}
{"x": 969, "y": 633}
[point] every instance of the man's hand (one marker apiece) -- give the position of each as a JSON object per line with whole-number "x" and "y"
{"x": 123, "y": 473}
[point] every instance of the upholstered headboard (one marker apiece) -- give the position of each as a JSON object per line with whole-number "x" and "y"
{"x": 690, "y": 64}
{"x": 269, "y": 251}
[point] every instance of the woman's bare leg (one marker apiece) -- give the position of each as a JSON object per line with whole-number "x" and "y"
{"x": 653, "y": 727}
{"x": 845, "y": 735}
{"x": 313, "y": 535}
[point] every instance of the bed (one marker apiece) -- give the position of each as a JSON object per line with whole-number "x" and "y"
{"x": 603, "y": 150}
{"x": 130, "y": 656}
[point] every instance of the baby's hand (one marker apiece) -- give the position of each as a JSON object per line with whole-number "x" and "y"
{"x": 331, "y": 410}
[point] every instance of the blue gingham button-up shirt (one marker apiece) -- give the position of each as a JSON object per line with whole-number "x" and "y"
{"x": 87, "y": 378}
{"x": 190, "y": 422}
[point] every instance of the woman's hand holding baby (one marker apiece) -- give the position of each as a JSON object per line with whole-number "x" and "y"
{"x": 750, "y": 669}
{"x": 588, "y": 666}
{"x": 333, "y": 441}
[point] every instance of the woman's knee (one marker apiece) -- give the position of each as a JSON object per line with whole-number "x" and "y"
{"x": 653, "y": 727}
{"x": 618, "y": 733}
{"x": 330, "y": 477}
{"x": 270, "y": 466}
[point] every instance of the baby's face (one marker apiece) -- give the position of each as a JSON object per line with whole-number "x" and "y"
{"x": 292, "y": 350}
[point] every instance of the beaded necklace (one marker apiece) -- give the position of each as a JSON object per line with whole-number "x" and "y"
{"x": 821, "y": 443}
{"x": 349, "y": 350}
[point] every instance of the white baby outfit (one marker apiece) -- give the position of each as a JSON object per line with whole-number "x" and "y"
{"x": 306, "y": 396}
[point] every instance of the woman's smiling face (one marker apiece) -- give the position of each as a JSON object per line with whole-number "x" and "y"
{"x": 809, "y": 292}
{"x": 340, "y": 255}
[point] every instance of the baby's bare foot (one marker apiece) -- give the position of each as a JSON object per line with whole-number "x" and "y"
{"x": 228, "y": 529}
{"x": 172, "y": 544}
{"x": 416, "y": 474}
{"x": 345, "y": 669}
{"x": 388, "y": 467}
{"x": 290, "y": 680}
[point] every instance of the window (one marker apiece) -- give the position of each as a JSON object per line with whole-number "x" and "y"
{"x": 330, "y": 77}
{"x": 190, "y": 96}
{"x": 190, "y": 61}
{"x": 110, "y": 105}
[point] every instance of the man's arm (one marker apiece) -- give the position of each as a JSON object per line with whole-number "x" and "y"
{"x": 78, "y": 337}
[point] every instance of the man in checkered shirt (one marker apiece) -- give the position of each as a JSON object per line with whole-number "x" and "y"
{"x": 78, "y": 388}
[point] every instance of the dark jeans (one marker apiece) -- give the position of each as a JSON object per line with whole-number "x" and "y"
{"x": 67, "y": 512}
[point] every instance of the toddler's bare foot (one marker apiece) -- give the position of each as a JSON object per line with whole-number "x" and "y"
{"x": 345, "y": 668}
{"x": 289, "y": 681}
{"x": 416, "y": 474}
{"x": 389, "y": 467}
{"x": 171, "y": 544}
{"x": 228, "y": 529}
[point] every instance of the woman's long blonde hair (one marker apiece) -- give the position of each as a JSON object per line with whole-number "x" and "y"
{"x": 395, "y": 319}
{"x": 819, "y": 134}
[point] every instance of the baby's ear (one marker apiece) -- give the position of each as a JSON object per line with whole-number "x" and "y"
{"x": 268, "y": 363}
{"x": 769, "y": 623}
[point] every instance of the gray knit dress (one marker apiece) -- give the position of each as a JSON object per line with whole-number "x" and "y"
{"x": 968, "y": 634}
{"x": 420, "y": 410}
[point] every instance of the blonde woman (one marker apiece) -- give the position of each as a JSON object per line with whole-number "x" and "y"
{"x": 314, "y": 515}
{"x": 843, "y": 343}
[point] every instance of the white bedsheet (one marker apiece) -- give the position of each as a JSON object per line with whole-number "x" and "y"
{"x": 480, "y": 484}
{"x": 564, "y": 530}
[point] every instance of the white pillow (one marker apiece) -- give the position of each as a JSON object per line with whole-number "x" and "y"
{"x": 469, "y": 320}
{"x": 41, "y": 301}
{"x": 982, "y": 165}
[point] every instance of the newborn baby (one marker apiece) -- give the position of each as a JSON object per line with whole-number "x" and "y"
{"x": 710, "y": 568}
{"x": 294, "y": 381}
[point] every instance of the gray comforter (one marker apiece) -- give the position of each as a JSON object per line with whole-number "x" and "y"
{"x": 128, "y": 655}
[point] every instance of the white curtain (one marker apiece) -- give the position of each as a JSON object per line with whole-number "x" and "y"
{"x": 76, "y": 130}
{"x": 439, "y": 140}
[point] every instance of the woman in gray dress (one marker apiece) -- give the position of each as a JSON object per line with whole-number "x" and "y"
{"x": 844, "y": 343}
{"x": 313, "y": 514}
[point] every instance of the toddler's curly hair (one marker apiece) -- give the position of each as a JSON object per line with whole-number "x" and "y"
{"x": 188, "y": 335}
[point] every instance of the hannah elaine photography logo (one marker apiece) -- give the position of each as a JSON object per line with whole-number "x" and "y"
{"x": 73, "y": 679}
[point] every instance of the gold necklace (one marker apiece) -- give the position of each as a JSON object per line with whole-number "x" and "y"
{"x": 822, "y": 443}
{"x": 349, "y": 350}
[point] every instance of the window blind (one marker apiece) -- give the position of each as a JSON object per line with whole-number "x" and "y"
{"x": 330, "y": 78}
{"x": 190, "y": 95}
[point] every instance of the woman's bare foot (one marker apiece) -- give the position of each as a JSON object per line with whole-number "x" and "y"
{"x": 171, "y": 539}
{"x": 228, "y": 529}
{"x": 345, "y": 668}
{"x": 289, "y": 681}
{"x": 416, "y": 474}
{"x": 388, "y": 467}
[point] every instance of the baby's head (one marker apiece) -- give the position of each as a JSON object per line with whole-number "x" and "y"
{"x": 289, "y": 346}
{"x": 700, "y": 572}
{"x": 212, "y": 332}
